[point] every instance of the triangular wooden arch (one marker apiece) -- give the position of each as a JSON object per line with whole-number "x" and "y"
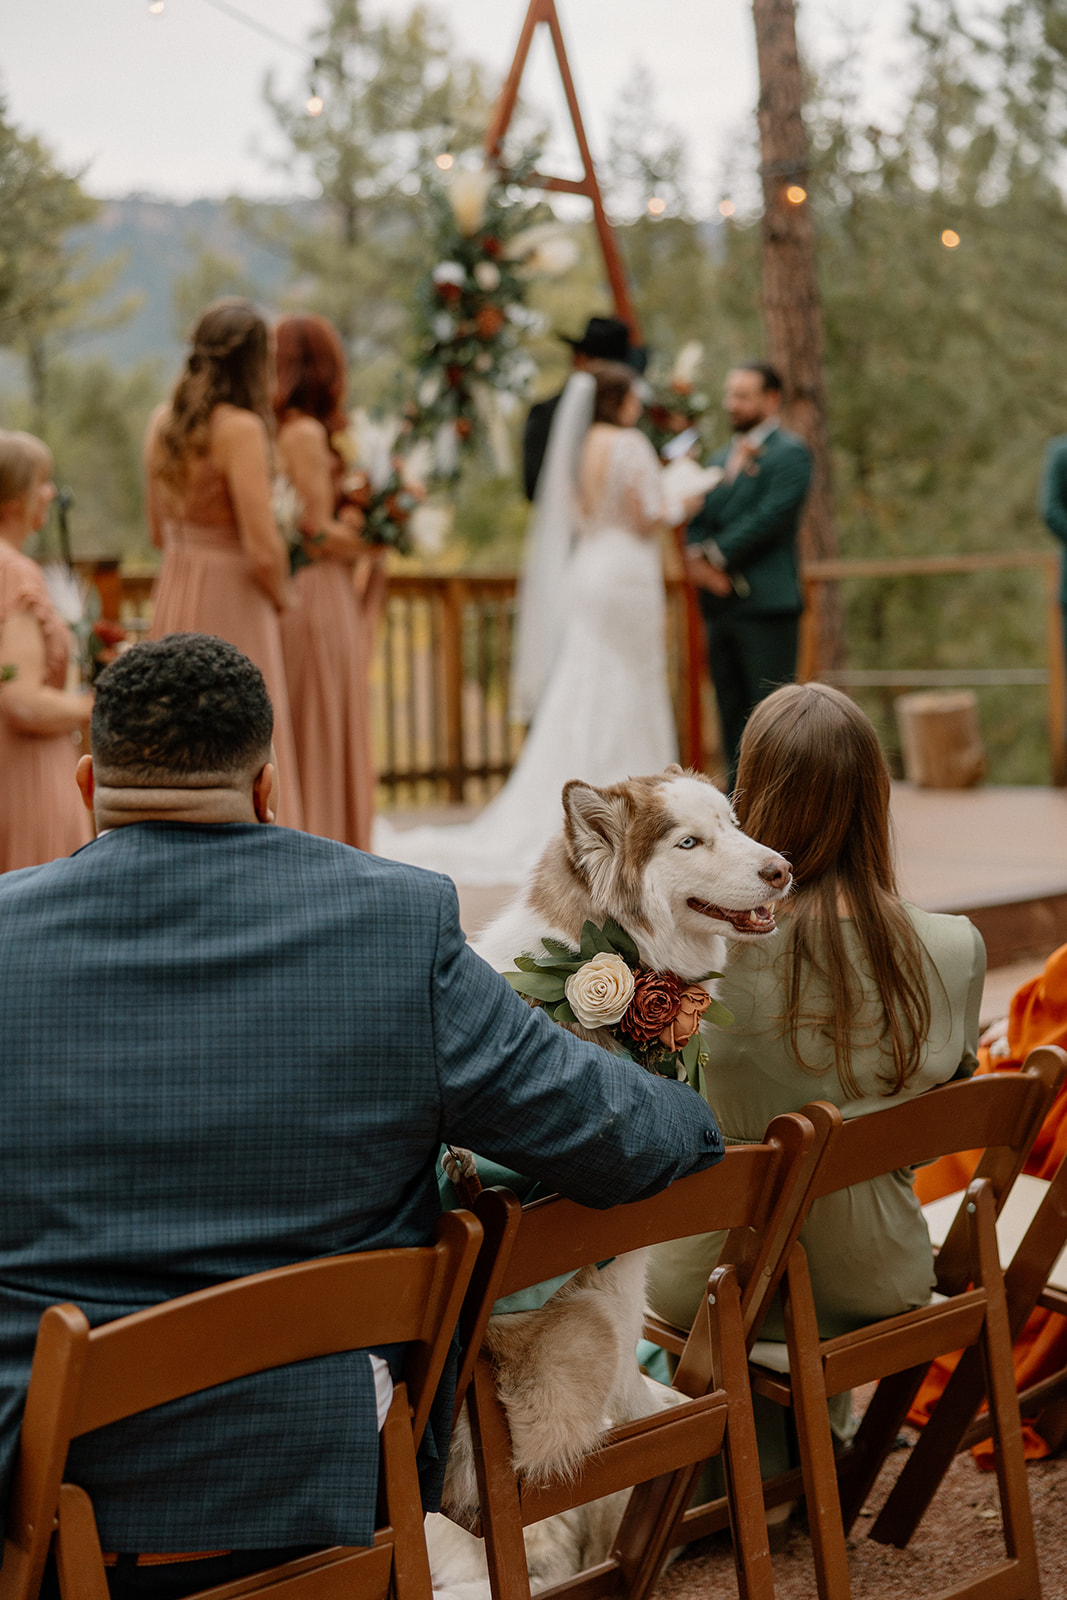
{"x": 545, "y": 11}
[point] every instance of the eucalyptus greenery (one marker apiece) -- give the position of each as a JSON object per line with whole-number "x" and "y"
{"x": 542, "y": 980}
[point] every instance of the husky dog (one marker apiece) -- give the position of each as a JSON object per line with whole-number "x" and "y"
{"x": 666, "y": 859}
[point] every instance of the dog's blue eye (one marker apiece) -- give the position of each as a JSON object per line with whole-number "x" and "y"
{"x": 688, "y": 843}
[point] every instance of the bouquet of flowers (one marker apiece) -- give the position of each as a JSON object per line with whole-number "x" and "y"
{"x": 379, "y": 483}
{"x": 675, "y": 407}
{"x": 98, "y": 639}
{"x": 384, "y": 486}
{"x": 653, "y": 1017}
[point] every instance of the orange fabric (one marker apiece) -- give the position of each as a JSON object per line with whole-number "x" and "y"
{"x": 111, "y": 1559}
{"x": 1038, "y": 1016}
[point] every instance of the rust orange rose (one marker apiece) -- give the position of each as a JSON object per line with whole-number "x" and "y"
{"x": 693, "y": 1001}
{"x": 489, "y": 321}
{"x": 654, "y": 1005}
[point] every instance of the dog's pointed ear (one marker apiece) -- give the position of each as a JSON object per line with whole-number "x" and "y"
{"x": 674, "y": 771}
{"x": 594, "y": 824}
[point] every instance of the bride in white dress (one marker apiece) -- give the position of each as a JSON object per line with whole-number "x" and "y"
{"x": 591, "y": 648}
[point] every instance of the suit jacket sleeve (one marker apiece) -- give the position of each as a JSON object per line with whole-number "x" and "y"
{"x": 770, "y": 521}
{"x": 535, "y": 442}
{"x": 1054, "y": 489}
{"x": 523, "y": 1091}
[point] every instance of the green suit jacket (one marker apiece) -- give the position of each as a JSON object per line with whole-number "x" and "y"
{"x": 754, "y": 522}
{"x": 1053, "y": 502}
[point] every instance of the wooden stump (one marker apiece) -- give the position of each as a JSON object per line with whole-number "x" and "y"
{"x": 941, "y": 740}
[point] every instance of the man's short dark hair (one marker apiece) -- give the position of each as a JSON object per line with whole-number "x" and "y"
{"x": 769, "y": 374}
{"x": 179, "y": 706}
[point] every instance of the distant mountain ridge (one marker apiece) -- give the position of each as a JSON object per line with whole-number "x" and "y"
{"x": 161, "y": 240}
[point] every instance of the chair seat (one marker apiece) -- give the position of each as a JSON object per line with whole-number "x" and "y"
{"x": 774, "y": 1354}
{"x": 1019, "y": 1211}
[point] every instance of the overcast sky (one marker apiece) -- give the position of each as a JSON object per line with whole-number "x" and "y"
{"x": 172, "y": 104}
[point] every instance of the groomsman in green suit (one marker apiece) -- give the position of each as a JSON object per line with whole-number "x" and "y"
{"x": 742, "y": 552}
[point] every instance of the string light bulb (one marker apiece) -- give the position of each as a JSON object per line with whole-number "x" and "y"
{"x": 157, "y": 8}
{"x": 950, "y": 239}
{"x": 796, "y": 195}
{"x": 656, "y": 206}
{"x": 314, "y": 106}
{"x": 726, "y": 208}
{"x": 446, "y": 161}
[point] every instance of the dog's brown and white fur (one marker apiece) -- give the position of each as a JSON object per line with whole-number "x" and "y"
{"x": 665, "y": 858}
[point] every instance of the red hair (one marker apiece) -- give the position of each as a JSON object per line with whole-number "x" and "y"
{"x": 311, "y": 371}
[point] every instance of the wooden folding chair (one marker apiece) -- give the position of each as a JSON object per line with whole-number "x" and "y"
{"x": 758, "y": 1191}
{"x": 85, "y": 1378}
{"x": 1032, "y": 1241}
{"x": 1000, "y": 1114}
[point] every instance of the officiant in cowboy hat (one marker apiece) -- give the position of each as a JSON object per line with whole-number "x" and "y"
{"x": 604, "y": 339}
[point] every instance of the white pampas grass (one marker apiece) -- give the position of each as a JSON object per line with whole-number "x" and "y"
{"x": 67, "y": 592}
{"x": 547, "y": 249}
{"x": 686, "y": 365}
{"x": 468, "y": 193}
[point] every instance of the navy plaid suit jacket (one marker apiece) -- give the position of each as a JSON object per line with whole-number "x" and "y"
{"x": 224, "y": 1049}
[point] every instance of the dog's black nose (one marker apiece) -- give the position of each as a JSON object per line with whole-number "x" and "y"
{"x": 776, "y": 873}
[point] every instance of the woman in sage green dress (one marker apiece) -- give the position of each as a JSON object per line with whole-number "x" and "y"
{"x": 858, "y": 998}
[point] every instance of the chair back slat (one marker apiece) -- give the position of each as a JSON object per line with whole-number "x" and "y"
{"x": 558, "y": 1236}
{"x": 245, "y": 1326}
{"x": 84, "y": 1379}
{"x": 999, "y": 1112}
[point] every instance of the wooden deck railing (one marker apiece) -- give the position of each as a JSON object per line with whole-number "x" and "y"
{"x": 442, "y": 662}
{"x": 439, "y": 678}
{"x": 1052, "y": 675}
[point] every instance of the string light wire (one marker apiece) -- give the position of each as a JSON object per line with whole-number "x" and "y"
{"x": 260, "y": 27}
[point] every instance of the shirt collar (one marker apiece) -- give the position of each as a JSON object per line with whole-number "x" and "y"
{"x": 761, "y": 432}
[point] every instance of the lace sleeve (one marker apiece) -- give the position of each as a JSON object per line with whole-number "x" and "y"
{"x": 639, "y": 481}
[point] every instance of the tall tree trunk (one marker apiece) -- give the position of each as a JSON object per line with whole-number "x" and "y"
{"x": 792, "y": 308}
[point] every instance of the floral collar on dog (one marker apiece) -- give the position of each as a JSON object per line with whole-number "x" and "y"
{"x": 654, "y": 1017}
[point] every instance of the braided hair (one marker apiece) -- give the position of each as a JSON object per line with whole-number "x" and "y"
{"x": 227, "y": 364}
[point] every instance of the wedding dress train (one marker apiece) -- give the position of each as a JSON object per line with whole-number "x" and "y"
{"x": 605, "y": 713}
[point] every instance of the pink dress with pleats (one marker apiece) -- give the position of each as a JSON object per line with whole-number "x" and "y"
{"x": 326, "y": 644}
{"x": 206, "y": 584}
{"x": 41, "y": 812}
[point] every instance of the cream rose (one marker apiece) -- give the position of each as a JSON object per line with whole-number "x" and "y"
{"x": 600, "y": 992}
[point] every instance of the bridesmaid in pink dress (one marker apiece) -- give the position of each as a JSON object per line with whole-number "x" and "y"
{"x": 41, "y": 813}
{"x": 208, "y": 466}
{"x": 327, "y": 638}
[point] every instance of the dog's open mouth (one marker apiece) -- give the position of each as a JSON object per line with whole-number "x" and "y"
{"x": 758, "y": 920}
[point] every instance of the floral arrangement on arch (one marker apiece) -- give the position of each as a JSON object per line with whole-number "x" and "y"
{"x": 471, "y": 313}
{"x": 677, "y": 405}
{"x": 653, "y": 1017}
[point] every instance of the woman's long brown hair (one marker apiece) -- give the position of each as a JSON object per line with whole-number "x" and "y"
{"x": 227, "y": 364}
{"x": 812, "y": 783}
{"x": 310, "y": 362}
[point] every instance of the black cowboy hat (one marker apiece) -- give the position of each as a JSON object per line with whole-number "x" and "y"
{"x": 606, "y": 339}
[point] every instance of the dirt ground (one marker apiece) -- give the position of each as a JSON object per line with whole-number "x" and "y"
{"x": 959, "y": 1535}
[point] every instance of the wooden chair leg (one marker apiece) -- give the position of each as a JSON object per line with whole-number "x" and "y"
{"x": 79, "y": 1564}
{"x": 813, "y": 1432}
{"x": 505, "y": 1549}
{"x": 875, "y": 1438}
{"x": 748, "y": 1519}
{"x": 647, "y": 1530}
{"x": 1004, "y": 1411}
{"x": 933, "y": 1453}
{"x": 411, "y": 1562}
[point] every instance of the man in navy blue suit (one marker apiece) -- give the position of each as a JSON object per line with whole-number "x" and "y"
{"x": 225, "y": 1047}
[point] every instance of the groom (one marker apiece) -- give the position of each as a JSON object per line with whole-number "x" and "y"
{"x": 741, "y": 552}
{"x": 227, "y": 1046}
